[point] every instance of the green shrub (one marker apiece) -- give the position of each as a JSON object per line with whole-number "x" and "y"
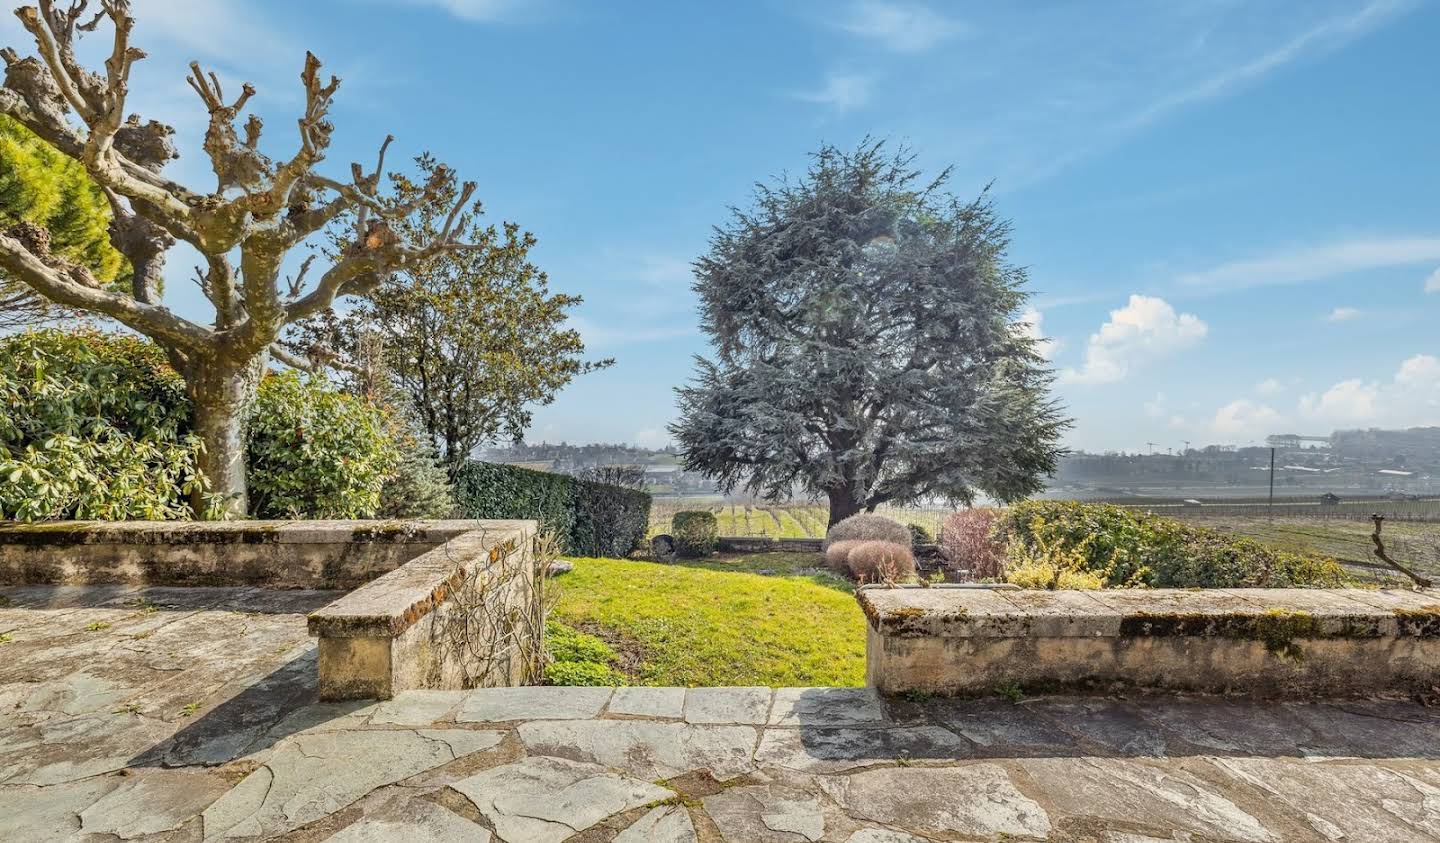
{"x": 419, "y": 487}
{"x": 590, "y": 519}
{"x": 696, "y": 533}
{"x": 316, "y": 452}
{"x": 919, "y": 535}
{"x": 92, "y": 426}
{"x": 1119, "y": 547}
{"x": 865, "y": 526}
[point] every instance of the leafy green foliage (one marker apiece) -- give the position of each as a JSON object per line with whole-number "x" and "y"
{"x": 696, "y": 533}
{"x": 868, "y": 345}
{"x": 1058, "y": 544}
{"x": 575, "y": 674}
{"x": 92, "y": 426}
{"x": 317, "y": 452}
{"x": 39, "y": 185}
{"x": 594, "y": 519}
{"x": 919, "y": 535}
{"x": 472, "y": 339}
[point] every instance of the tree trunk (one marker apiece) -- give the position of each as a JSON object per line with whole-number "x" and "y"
{"x": 842, "y": 505}
{"x": 221, "y": 392}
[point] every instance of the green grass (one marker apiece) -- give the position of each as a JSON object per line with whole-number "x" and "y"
{"x": 765, "y": 619}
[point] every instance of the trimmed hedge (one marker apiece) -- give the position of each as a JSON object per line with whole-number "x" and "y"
{"x": 590, "y": 519}
{"x": 697, "y": 532}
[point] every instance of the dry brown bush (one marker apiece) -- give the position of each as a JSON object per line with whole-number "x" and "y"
{"x": 877, "y": 561}
{"x": 837, "y": 555}
{"x": 966, "y": 543}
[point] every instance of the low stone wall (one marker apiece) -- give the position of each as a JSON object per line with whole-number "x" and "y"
{"x": 467, "y": 614}
{"x": 766, "y": 544}
{"x": 1267, "y": 642}
{"x": 435, "y": 604}
{"x": 269, "y": 554}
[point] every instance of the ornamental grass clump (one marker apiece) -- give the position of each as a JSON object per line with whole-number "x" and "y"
{"x": 881, "y": 561}
{"x": 867, "y": 527}
{"x": 837, "y": 555}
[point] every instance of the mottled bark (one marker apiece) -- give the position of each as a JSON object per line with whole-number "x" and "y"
{"x": 221, "y": 394}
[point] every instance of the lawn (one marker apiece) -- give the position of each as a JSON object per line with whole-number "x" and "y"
{"x": 761, "y": 619}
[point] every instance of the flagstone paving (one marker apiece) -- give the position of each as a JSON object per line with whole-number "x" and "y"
{"x": 161, "y": 715}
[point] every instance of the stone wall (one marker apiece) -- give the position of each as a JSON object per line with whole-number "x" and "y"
{"x": 1268, "y": 642}
{"x": 467, "y": 614}
{"x": 269, "y": 554}
{"x": 435, "y": 604}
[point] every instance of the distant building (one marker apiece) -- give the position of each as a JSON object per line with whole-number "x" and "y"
{"x": 1329, "y": 499}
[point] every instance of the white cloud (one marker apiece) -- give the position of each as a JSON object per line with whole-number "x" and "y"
{"x": 841, "y": 91}
{"x": 1347, "y": 402}
{"x": 1031, "y": 322}
{"x": 1410, "y": 397}
{"x": 652, "y": 437}
{"x": 1144, "y": 329}
{"x": 1342, "y": 314}
{"x": 905, "y": 28}
{"x": 1245, "y": 419}
{"x": 1432, "y": 284}
{"x": 1317, "y": 263}
{"x": 1269, "y": 386}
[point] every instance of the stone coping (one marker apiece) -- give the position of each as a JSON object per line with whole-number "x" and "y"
{"x": 392, "y": 602}
{"x": 1125, "y": 613}
{"x": 62, "y": 533}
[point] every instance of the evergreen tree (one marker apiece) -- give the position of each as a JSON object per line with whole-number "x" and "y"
{"x": 41, "y": 186}
{"x": 867, "y": 345}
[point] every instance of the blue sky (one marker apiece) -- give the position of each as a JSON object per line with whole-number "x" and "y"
{"x": 1230, "y": 210}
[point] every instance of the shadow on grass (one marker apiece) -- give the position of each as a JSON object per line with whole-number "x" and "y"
{"x": 806, "y": 566}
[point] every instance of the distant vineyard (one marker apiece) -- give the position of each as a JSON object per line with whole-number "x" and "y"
{"x": 781, "y": 521}
{"x": 1423, "y": 510}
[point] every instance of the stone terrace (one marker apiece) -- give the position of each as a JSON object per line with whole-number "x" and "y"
{"x": 153, "y": 715}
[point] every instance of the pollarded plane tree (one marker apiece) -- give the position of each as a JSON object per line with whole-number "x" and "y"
{"x": 260, "y": 209}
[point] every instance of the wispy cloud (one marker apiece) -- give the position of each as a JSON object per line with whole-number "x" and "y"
{"x": 1330, "y": 33}
{"x": 1343, "y": 314}
{"x": 1432, "y": 284}
{"x": 1316, "y": 263}
{"x": 482, "y": 11}
{"x": 902, "y": 27}
{"x": 841, "y": 91}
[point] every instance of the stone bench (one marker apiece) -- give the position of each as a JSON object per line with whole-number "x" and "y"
{"x": 463, "y": 615}
{"x": 1270, "y": 642}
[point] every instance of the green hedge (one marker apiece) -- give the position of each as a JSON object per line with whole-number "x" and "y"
{"x": 696, "y": 533}
{"x": 590, "y": 519}
{"x": 1069, "y": 544}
